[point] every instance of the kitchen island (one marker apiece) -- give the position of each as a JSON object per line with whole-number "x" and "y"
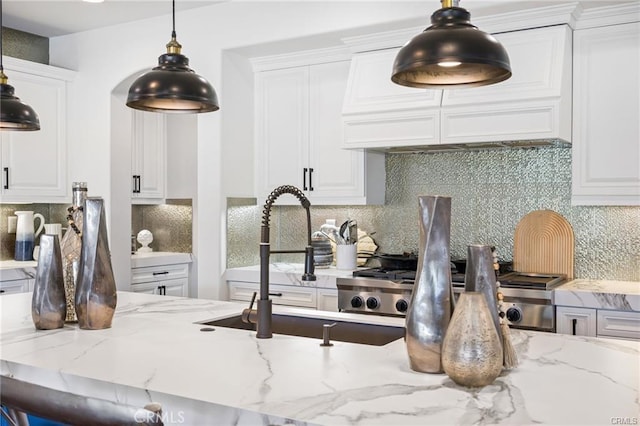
{"x": 156, "y": 351}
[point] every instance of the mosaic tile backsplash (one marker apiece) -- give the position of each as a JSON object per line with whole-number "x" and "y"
{"x": 170, "y": 224}
{"x": 491, "y": 191}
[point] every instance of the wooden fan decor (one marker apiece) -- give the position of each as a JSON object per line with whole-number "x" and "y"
{"x": 544, "y": 244}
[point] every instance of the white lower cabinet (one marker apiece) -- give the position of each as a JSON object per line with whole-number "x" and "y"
{"x": 328, "y": 299}
{"x": 289, "y": 295}
{"x": 576, "y": 321}
{"x": 16, "y": 286}
{"x": 620, "y": 324}
{"x": 166, "y": 280}
{"x": 580, "y": 321}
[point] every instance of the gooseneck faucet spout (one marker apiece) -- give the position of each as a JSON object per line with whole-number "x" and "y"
{"x": 264, "y": 303}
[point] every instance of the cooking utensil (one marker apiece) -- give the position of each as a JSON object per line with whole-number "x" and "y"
{"x": 544, "y": 243}
{"x": 404, "y": 261}
{"x": 344, "y": 234}
{"x": 353, "y": 232}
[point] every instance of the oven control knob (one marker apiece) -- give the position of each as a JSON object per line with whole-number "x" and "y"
{"x": 402, "y": 305}
{"x": 372, "y": 303}
{"x": 514, "y": 314}
{"x": 357, "y": 302}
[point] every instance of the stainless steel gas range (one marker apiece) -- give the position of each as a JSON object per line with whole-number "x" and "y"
{"x": 376, "y": 291}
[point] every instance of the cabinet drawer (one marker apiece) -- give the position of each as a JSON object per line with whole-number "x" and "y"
{"x": 159, "y": 273}
{"x": 286, "y": 295}
{"x": 14, "y": 286}
{"x": 623, "y": 324}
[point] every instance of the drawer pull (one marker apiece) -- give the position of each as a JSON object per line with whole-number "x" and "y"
{"x": 275, "y": 294}
{"x": 574, "y": 326}
{"x": 161, "y": 273}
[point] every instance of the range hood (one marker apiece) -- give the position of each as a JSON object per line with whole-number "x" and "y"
{"x": 532, "y": 109}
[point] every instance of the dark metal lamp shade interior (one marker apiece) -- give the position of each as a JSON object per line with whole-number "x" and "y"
{"x": 451, "y": 53}
{"x": 14, "y": 114}
{"x": 172, "y": 87}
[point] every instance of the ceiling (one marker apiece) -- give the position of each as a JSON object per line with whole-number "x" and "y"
{"x": 51, "y": 18}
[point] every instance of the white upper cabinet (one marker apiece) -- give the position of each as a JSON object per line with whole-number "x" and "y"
{"x": 606, "y": 148}
{"x": 34, "y": 163}
{"x": 299, "y": 133}
{"x": 534, "y": 104}
{"x": 148, "y": 157}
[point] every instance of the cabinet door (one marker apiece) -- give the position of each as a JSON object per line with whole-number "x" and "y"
{"x": 620, "y": 324}
{"x": 148, "y": 288}
{"x": 282, "y": 126}
{"x": 576, "y": 321}
{"x": 606, "y": 147}
{"x": 328, "y": 299}
{"x": 336, "y": 173}
{"x": 179, "y": 287}
{"x": 148, "y": 157}
{"x": 34, "y": 163}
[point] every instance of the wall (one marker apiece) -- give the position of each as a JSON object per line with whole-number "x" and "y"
{"x": 170, "y": 225}
{"x": 491, "y": 191}
{"x": 27, "y": 46}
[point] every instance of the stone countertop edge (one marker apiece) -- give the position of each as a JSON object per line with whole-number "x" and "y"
{"x": 599, "y": 294}
{"x": 159, "y": 258}
{"x": 288, "y": 274}
{"x": 156, "y": 351}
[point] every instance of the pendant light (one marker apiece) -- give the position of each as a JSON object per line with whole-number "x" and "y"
{"x": 14, "y": 115}
{"x": 451, "y": 53}
{"x": 172, "y": 86}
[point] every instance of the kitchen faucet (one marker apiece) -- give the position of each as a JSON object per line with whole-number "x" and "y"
{"x": 264, "y": 303}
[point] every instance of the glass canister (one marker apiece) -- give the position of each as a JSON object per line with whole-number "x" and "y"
{"x": 71, "y": 245}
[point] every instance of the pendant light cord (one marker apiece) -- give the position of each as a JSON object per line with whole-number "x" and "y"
{"x": 173, "y": 31}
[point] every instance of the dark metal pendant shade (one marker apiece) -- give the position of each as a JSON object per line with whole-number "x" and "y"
{"x": 451, "y": 53}
{"x": 172, "y": 87}
{"x": 14, "y": 114}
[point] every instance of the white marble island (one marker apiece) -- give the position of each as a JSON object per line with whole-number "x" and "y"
{"x": 155, "y": 351}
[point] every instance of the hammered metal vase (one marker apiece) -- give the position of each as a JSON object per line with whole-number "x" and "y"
{"x": 95, "y": 298}
{"x": 430, "y": 307}
{"x": 480, "y": 276}
{"x": 49, "y": 304}
{"x": 472, "y": 350}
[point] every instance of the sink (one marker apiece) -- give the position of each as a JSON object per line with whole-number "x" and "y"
{"x": 343, "y": 331}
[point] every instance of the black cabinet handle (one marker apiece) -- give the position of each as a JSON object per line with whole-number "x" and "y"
{"x": 134, "y": 184}
{"x": 6, "y": 178}
{"x": 161, "y": 273}
{"x": 138, "y": 184}
{"x": 310, "y": 183}
{"x": 275, "y": 294}
{"x": 163, "y": 290}
{"x": 574, "y": 326}
{"x": 304, "y": 179}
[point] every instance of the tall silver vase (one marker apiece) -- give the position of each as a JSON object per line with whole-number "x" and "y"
{"x": 480, "y": 276}
{"x": 48, "y": 303}
{"x": 95, "y": 298}
{"x": 430, "y": 307}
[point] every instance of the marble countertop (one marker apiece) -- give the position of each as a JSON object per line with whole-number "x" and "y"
{"x": 158, "y": 258}
{"x": 600, "y": 294}
{"x": 288, "y": 274}
{"x": 156, "y": 351}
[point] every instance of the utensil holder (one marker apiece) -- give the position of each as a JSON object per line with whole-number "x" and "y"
{"x": 346, "y": 256}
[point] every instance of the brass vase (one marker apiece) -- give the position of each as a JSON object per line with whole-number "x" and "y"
{"x": 472, "y": 350}
{"x": 48, "y": 303}
{"x": 430, "y": 308}
{"x": 95, "y": 298}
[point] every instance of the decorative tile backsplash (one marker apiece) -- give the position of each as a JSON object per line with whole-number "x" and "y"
{"x": 491, "y": 191}
{"x": 170, "y": 224}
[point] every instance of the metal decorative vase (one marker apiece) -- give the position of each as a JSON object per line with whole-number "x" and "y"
{"x": 472, "y": 350}
{"x": 95, "y": 298}
{"x": 480, "y": 276}
{"x": 49, "y": 304}
{"x": 431, "y": 300}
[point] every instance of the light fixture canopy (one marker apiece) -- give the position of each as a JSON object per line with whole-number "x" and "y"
{"x": 451, "y": 53}
{"x": 172, "y": 86}
{"x": 14, "y": 114}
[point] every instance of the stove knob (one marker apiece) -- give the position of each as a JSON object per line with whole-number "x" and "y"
{"x": 402, "y": 305}
{"x": 514, "y": 314}
{"x": 357, "y": 302}
{"x": 372, "y": 303}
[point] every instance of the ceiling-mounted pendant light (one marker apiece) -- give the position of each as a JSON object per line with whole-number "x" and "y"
{"x": 451, "y": 53}
{"x": 14, "y": 114}
{"x": 172, "y": 86}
